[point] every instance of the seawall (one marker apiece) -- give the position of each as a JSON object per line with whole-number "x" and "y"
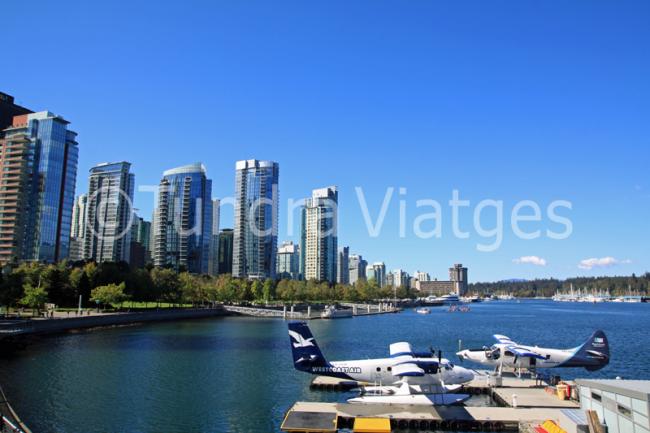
{"x": 52, "y": 326}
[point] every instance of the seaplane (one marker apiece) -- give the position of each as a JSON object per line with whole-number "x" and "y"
{"x": 405, "y": 377}
{"x": 593, "y": 355}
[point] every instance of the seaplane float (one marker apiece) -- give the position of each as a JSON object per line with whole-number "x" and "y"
{"x": 405, "y": 377}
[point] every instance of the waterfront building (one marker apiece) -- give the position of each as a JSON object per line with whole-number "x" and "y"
{"x": 213, "y": 266}
{"x": 390, "y": 280}
{"x": 255, "y": 241}
{"x": 184, "y": 219}
{"x": 78, "y": 229}
{"x": 457, "y": 283}
{"x": 357, "y": 268}
{"x": 377, "y": 271}
{"x": 458, "y": 275}
{"x": 140, "y": 242}
{"x": 343, "y": 266}
{"x": 225, "y": 251}
{"x": 38, "y": 170}
{"x": 8, "y": 109}
{"x": 320, "y": 235}
{"x": 400, "y": 278}
{"x": 622, "y": 405}
{"x": 109, "y": 213}
{"x": 288, "y": 261}
{"x": 422, "y": 276}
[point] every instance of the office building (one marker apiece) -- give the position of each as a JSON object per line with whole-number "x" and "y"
{"x": 320, "y": 235}
{"x": 422, "y": 276}
{"x": 377, "y": 271}
{"x": 38, "y": 169}
{"x": 78, "y": 230}
{"x": 357, "y": 268}
{"x": 255, "y": 241}
{"x": 109, "y": 213}
{"x": 343, "y": 266}
{"x": 140, "y": 242}
{"x": 213, "y": 266}
{"x": 288, "y": 261}
{"x": 184, "y": 219}
{"x": 458, "y": 275}
{"x": 457, "y": 283}
{"x": 400, "y": 278}
{"x": 225, "y": 251}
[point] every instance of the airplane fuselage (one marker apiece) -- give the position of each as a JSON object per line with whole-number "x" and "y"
{"x": 500, "y": 355}
{"x": 379, "y": 370}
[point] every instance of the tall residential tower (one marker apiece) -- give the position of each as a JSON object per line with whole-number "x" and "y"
{"x": 255, "y": 242}
{"x": 320, "y": 235}
{"x": 109, "y": 212}
{"x": 38, "y": 170}
{"x": 183, "y": 225}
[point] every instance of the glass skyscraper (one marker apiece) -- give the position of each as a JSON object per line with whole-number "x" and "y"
{"x": 255, "y": 240}
{"x": 39, "y": 167}
{"x": 109, "y": 212}
{"x": 183, "y": 225}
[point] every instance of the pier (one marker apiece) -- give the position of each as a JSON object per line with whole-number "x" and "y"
{"x": 308, "y": 313}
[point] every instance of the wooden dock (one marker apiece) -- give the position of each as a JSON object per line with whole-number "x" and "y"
{"x": 533, "y": 406}
{"x": 404, "y": 417}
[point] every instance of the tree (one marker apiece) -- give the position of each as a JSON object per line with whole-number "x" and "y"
{"x": 111, "y": 294}
{"x": 34, "y": 297}
{"x": 268, "y": 289}
{"x": 256, "y": 290}
{"x": 166, "y": 284}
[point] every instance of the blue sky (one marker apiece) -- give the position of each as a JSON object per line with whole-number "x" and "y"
{"x": 499, "y": 100}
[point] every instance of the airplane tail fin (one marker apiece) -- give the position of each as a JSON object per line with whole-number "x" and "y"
{"x": 306, "y": 353}
{"x": 594, "y": 353}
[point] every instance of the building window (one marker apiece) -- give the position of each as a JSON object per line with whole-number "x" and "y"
{"x": 624, "y": 411}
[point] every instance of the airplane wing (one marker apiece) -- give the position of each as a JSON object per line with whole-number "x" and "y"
{"x": 503, "y": 339}
{"x": 522, "y": 352}
{"x": 400, "y": 349}
{"x": 407, "y": 369}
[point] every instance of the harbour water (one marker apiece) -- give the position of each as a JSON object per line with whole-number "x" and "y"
{"x": 235, "y": 375}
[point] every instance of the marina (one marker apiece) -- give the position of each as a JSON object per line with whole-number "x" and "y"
{"x": 143, "y": 369}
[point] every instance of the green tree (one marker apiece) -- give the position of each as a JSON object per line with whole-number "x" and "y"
{"x": 256, "y": 290}
{"x": 34, "y": 297}
{"x": 166, "y": 284}
{"x": 109, "y": 294}
{"x": 268, "y": 290}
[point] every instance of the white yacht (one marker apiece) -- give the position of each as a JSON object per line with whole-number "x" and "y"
{"x": 331, "y": 312}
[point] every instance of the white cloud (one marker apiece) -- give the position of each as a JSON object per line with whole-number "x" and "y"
{"x": 531, "y": 260}
{"x": 603, "y": 262}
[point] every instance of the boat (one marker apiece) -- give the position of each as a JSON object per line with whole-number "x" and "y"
{"x": 423, "y": 310}
{"x": 331, "y": 312}
{"x": 451, "y": 298}
{"x": 460, "y": 309}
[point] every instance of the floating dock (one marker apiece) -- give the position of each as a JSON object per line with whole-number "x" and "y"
{"x": 329, "y": 417}
{"x": 522, "y": 400}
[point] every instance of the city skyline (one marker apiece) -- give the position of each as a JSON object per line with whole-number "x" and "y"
{"x": 530, "y": 112}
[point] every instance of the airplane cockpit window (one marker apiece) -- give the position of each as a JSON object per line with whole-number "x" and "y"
{"x": 492, "y": 353}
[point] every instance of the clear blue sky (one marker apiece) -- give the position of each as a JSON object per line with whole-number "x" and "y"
{"x": 502, "y": 100}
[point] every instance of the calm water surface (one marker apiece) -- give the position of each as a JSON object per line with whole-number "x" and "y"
{"x": 235, "y": 374}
